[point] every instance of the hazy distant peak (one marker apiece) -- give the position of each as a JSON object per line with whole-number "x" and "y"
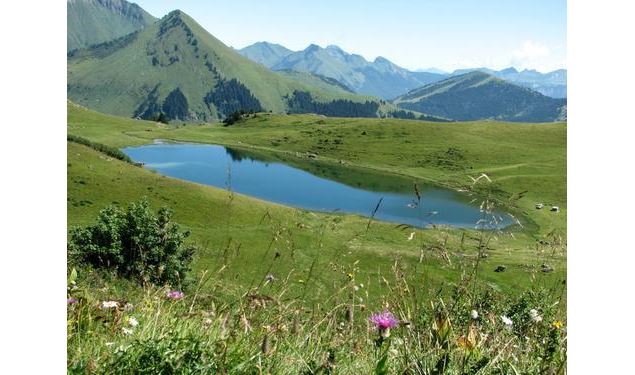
{"x": 509, "y": 70}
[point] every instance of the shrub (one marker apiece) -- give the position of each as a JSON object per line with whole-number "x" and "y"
{"x": 108, "y": 150}
{"x": 135, "y": 243}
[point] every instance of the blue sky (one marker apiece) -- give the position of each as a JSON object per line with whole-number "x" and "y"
{"x": 446, "y": 34}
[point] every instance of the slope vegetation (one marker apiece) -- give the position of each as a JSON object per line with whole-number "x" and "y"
{"x": 175, "y": 68}
{"x": 477, "y": 95}
{"x": 96, "y": 21}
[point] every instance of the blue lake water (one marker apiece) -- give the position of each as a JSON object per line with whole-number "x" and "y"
{"x": 310, "y": 185}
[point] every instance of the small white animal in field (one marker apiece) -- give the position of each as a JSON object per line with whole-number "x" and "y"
{"x": 412, "y": 235}
{"x": 539, "y": 206}
{"x": 555, "y": 208}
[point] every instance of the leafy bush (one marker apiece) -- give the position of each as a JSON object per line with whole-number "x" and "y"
{"x": 135, "y": 243}
{"x": 108, "y": 150}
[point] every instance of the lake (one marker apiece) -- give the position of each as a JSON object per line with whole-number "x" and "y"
{"x": 307, "y": 184}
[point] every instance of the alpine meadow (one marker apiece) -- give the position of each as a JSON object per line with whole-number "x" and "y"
{"x": 276, "y": 210}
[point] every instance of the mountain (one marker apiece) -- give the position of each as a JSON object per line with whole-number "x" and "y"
{"x": 96, "y": 21}
{"x": 267, "y": 54}
{"x": 176, "y": 70}
{"x": 432, "y": 70}
{"x": 553, "y": 84}
{"x": 477, "y": 95}
{"x": 379, "y": 78}
{"x": 315, "y": 80}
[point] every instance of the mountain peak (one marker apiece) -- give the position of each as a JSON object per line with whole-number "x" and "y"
{"x": 382, "y": 60}
{"x": 510, "y": 70}
{"x": 312, "y": 48}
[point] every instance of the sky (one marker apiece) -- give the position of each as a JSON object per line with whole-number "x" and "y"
{"x": 415, "y": 34}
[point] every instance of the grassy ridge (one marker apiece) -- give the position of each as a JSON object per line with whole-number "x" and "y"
{"x": 519, "y": 158}
{"x": 330, "y": 271}
{"x": 241, "y": 229}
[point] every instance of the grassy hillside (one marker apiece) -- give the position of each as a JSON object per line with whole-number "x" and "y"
{"x": 526, "y": 159}
{"x": 314, "y": 80}
{"x": 177, "y": 68}
{"x": 330, "y": 272}
{"x": 96, "y": 21}
{"x": 477, "y": 95}
{"x": 101, "y": 181}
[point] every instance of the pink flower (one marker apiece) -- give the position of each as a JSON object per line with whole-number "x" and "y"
{"x": 71, "y": 301}
{"x": 384, "y": 320}
{"x": 175, "y": 294}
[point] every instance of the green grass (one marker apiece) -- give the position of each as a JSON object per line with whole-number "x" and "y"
{"x": 238, "y": 229}
{"x": 519, "y": 158}
{"x": 319, "y": 258}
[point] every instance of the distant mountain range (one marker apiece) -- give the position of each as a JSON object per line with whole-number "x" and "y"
{"x": 383, "y": 78}
{"x": 379, "y": 78}
{"x": 553, "y": 84}
{"x": 176, "y": 68}
{"x": 96, "y": 21}
{"x": 477, "y": 95}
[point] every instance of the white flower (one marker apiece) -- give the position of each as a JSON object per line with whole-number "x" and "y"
{"x": 109, "y": 304}
{"x": 474, "y": 314}
{"x": 127, "y": 331}
{"x": 356, "y": 288}
{"x": 533, "y": 313}
{"x": 508, "y": 322}
{"x": 133, "y": 322}
{"x": 207, "y": 322}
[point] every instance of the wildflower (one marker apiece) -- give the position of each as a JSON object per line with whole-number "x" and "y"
{"x": 508, "y": 322}
{"x": 71, "y": 301}
{"x": 175, "y": 294}
{"x": 557, "y": 324}
{"x": 207, "y": 322}
{"x": 384, "y": 322}
{"x": 474, "y": 314}
{"x": 133, "y": 322}
{"x": 356, "y": 288}
{"x": 127, "y": 331}
{"x": 535, "y": 317}
{"x": 109, "y": 305}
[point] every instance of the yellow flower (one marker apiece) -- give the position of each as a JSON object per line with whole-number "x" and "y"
{"x": 556, "y": 324}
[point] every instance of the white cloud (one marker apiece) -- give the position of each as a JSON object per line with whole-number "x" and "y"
{"x": 531, "y": 50}
{"x": 535, "y": 55}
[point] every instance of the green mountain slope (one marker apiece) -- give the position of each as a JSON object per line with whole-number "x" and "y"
{"x": 318, "y": 81}
{"x": 177, "y": 68}
{"x": 96, "y": 21}
{"x": 477, "y": 95}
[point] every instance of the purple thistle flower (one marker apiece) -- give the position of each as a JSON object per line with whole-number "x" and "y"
{"x": 175, "y": 294}
{"x": 385, "y": 320}
{"x": 71, "y": 301}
